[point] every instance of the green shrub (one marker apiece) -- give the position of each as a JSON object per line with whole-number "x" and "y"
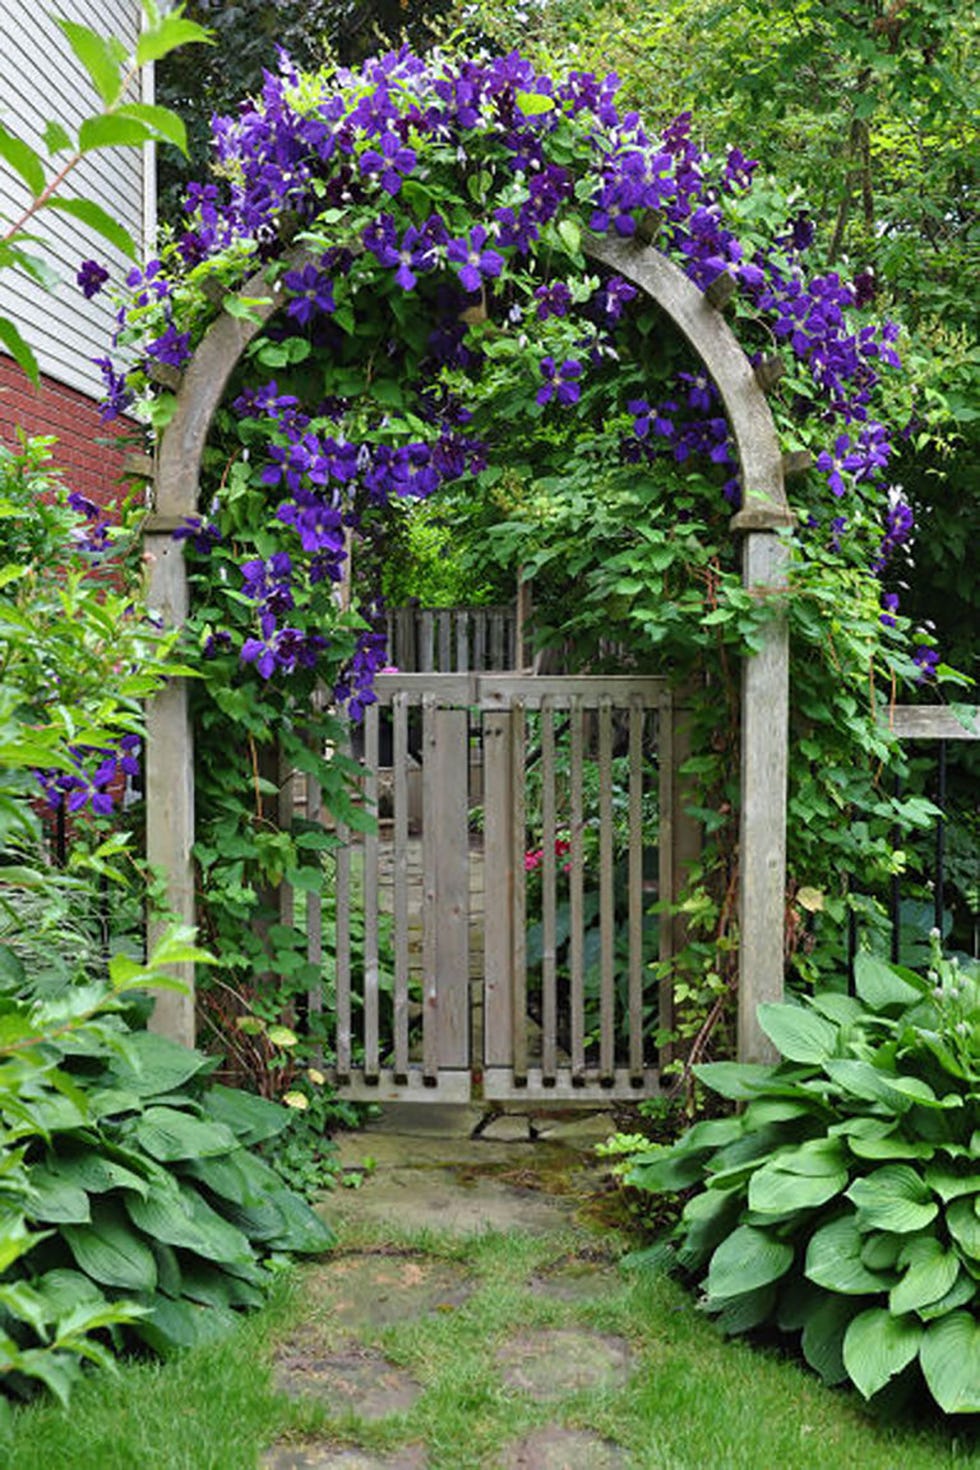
{"x": 131, "y": 1203}
{"x": 843, "y": 1200}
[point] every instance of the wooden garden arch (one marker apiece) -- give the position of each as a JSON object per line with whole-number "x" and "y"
{"x": 765, "y": 674}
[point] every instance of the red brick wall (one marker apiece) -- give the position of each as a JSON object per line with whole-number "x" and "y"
{"x": 89, "y": 452}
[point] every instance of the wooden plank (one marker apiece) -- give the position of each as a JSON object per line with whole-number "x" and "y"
{"x": 932, "y": 722}
{"x": 496, "y": 691}
{"x": 498, "y": 893}
{"x": 762, "y": 835}
{"x": 479, "y": 640}
{"x": 400, "y": 880}
{"x": 576, "y": 896}
{"x": 496, "y": 641}
{"x": 636, "y": 903}
{"x": 501, "y": 1085}
{"x": 342, "y": 963}
{"x": 607, "y": 914}
{"x": 445, "y": 618}
{"x": 430, "y": 913}
{"x": 450, "y": 812}
{"x": 372, "y": 975}
{"x": 666, "y": 761}
{"x": 426, "y": 640}
{"x": 450, "y": 690}
{"x": 314, "y": 909}
{"x": 462, "y": 619}
{"x": 519, "y": 911}
{"x": 549, "y": 871}
{"x": 386, "y": 1087}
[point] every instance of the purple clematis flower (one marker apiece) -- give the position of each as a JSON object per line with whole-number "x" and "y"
{"x": 559, "y": 381}
{"x": 476, "y": 263}
{"x": 91, "y": 278}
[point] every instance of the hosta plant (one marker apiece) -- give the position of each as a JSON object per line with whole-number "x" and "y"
{"x": 131, "y": 1203}
{"x": 842, "y": 1201}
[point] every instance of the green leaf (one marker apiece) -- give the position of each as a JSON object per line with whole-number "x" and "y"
{"x": 252, "y": 1119}
{"x": 833, "y": 1260}
{"x": 110, "y": 1251}
{"x": 174, "y": 1325}
{"x": 534, "y": 104}
{"x": 152, "y": 1064}
{"x": 97, "y": 219}
{"x": 167, "y": 33}
{"x": 56, "y": 1200}
{"x": 823, "y": 1336}
{"x": 168, "y": 1134}
{"x": 110, "y": 130}
{"x": 163, "y": 122}
{"x": 22, "y": 354}
{"x": 877, "y": 1346}
{"x": 950, "y": 1358}
{"x": 964, "y": 1226}
{"x": 948, "y": 1183}
{"x": 798, "y": 1033}
{"x": 19, "y": 156}
{"x": 798, "y": 1180}
{"x": 102, "y": 59}
{"x": 742, "y": 1313}
{"x": 893, "y": 1198}
{"x": 930, "y": 1274}
{"x": 963, "y": 1293}
{"x": 738, "y": 1080}
{"x": 878, "y": 985}
{"x": 56, "y": 138}
{"x": 747, "y": 1259}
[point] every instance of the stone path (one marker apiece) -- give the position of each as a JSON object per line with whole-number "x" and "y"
{"x": 424, "y": 1169}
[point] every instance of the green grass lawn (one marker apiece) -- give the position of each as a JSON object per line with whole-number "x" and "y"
{"x": 693, "y": 1402}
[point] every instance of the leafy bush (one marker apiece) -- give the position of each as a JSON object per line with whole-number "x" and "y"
{"x": 843, "y": 1201}
{"x": 131, "y": 1203}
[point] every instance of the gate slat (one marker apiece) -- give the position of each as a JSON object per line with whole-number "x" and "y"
{"x": 462, "y": 641}
{"x": 400, "y": 880}
{"x": 607, "y": 917}
{"x": 518, "y": 935}
{"x": 636, "y": 888}
{"x": 549, "y": 1011}
{"x": 430, "y": 995}
{"x": 445, "y": 636}
{"x": 498, "y": 878}
{"x": 371, "y": 894}
{"x": 342, "y": 936}
{"x": 576, "y": 937}
{"x": 426, "y": 638}
{"x": 666, "y": 888}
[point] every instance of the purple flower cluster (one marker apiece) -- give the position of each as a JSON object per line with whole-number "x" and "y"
{"x": 84, "y": 787}
{"x": 91, "y": 277}
{"x": 560, "y": 381}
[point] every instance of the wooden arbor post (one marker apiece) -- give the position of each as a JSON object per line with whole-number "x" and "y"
{"x": 765, "y": 675}
{"x": 765, "y": 680}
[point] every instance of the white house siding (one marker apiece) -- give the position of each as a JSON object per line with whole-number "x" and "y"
{"x": 40, "y": 79}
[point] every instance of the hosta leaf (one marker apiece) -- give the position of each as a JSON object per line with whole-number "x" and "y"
{"x": 674, "y": 1169}
{"x": 766, "y": 1110}
{"x": 890, "y": 1146}
{"x": 304, "y": 1231}
{"x": 949, "y": 1182}
{"x": 893, "y": 1198}
{"x": 881, "y": 1250}
{"x": 963, "y": 1293}
{"x": 741, "y": 1313}
{"x": 173, "y": 1325}
{"x": 111, "y": 1251}
{"x": 153, "y": 1064}
{"x": 747, "y": 1259}
{"x": 798, "y": 1033}
{"x": 64, "y": 1289}
{"x": 877, "y": 1346}
{"x": 777, "y": 1191}
{"x": 252, "y": 1119}
{"x": 879, "y": 986}
{"x": 168, "y": 1134}
{"x": 950, "y": 1358}
{"x": 833, "y": 1259}
{"x": 930, "y": 1273}
{"x": 843, "y": 1009}
{"x": 861, "y": 1079}
{"x": 97, "y": 1174}
{"x": 738, "y": 1080}
{"x": 56, "y": 1200}
{"x": 823, "y": 1336}
{"x": 708, "y": 1217}
{"x": 964, "y": 1225}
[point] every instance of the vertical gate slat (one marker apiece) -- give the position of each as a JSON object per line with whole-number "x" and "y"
{"x": 636, "y": 888}
{"x": 450, "y": 811}
{"x": 519, "y": 919}
{"x": 371, "y": 957}
{"x": 445, "y": 635}
{"x": 314, "y": 908}
{"x": 480, "y": 640}
{"x": 462, "y": 641}
{"x": 576, "y": 936}
{"x": 342, "y": 937}
{"x": 426, "y": 637}
{"x": 549, "y": 1011}
{"x": 499, "y": 858}
{"x": 667, "y": 838}
{"x": 497, "y": 632}
{"x": 430, "y": 996}
{"x": 607, "y": 916}
{"x": 400, "y": 879}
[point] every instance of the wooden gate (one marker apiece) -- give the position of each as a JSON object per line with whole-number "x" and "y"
{"x": 494, "y": 936}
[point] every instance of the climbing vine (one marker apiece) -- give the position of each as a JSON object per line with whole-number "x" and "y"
{"x": 442, "y": 333}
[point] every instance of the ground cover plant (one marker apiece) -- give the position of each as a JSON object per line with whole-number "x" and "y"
{"x": 841, "y": 1201}
{"x": 442, "y": 333}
